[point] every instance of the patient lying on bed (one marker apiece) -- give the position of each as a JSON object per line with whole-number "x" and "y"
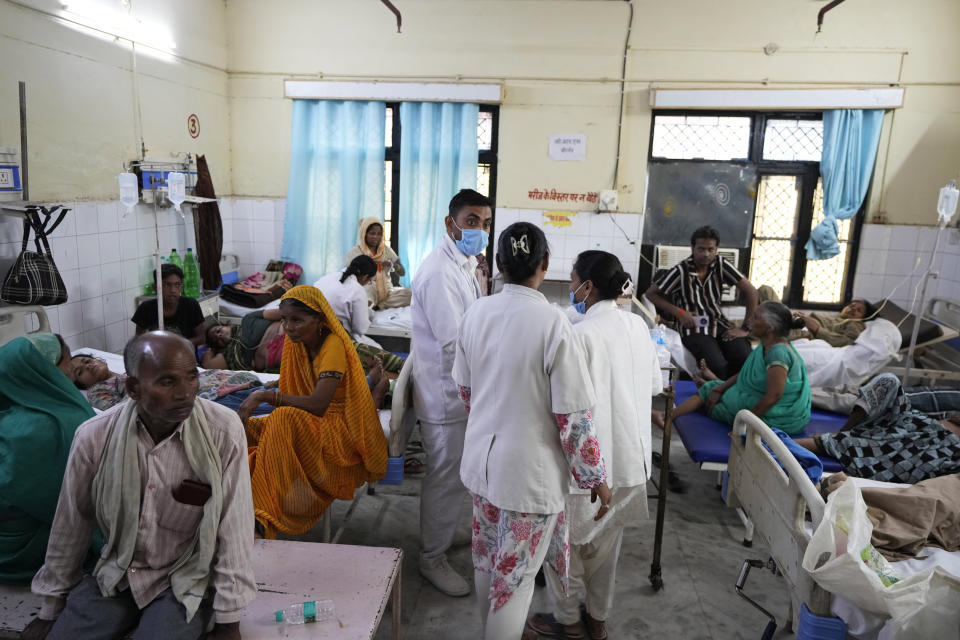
{"x": 253, "y": 345}
{"x": 772, "y": 383}
{"x": 836, "y": 330}
{"x": 104, "y": 388}
{"x": 894, "y": 434}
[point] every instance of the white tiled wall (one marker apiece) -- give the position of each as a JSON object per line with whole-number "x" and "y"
{"x": 618, "y": 233}
{"x": 252, "y": 229}
{"x": 892, "y": 255}
{"x": 106, "y": 257}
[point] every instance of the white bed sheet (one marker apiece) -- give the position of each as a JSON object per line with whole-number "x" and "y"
{"x": 234, "y": 309}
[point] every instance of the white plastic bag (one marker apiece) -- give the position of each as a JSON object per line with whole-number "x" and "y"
{"x": 841, "y": 559}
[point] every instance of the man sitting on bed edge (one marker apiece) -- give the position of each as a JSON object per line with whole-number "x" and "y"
{"x": 181, "y": 315}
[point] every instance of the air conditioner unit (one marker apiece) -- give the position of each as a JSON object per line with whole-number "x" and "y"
{"x": 670, "y": 255}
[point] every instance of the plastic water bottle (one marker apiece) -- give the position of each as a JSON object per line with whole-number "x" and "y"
{"x": 191, "y": 276}
{"x": 175, "y": 258}
{"x": 150, "y": 289}
{"x": 306, "y": 612}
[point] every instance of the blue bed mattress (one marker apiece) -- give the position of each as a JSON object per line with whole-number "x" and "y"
{"x": 706, "y": 440}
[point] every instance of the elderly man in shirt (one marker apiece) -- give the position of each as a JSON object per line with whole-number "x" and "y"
{"x": 691, "y": 292}
{"x": 444, "y": 288}
{"x": 164, "y": 476}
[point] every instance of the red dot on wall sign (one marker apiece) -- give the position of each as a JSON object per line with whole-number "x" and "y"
{"x": 193, "y": 125}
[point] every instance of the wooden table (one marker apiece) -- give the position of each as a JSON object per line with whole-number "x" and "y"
{"x": 359, "y": 580}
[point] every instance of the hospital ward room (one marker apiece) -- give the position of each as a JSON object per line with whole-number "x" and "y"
{"x": 479, "y": 319}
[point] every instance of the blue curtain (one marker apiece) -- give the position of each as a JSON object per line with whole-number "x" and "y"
{"x": 336, "y": 178}
{"x": 438, "y": 157}
{"x": 850, "y": 139}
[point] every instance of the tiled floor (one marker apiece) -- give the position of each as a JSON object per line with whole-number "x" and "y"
{"x": 702, "y": 555}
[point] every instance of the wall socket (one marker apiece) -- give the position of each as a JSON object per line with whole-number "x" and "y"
{"x": 607, "y": 200}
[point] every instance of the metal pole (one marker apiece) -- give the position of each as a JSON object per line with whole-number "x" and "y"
{"x": 918, "y": 315}
{"x": 156, "y": 257}
{"x": 24, "y": 169}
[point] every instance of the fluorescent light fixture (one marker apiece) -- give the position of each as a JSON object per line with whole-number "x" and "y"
{"x": 393, "y": 91}
{"x": 803, "y": 99}
{"x": 118, "y": 23}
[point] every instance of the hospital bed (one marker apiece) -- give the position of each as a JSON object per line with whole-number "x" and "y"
{"x": 386, "y": 323}
{"x": 707, "y": 441}
{"x": 785, "y": 507}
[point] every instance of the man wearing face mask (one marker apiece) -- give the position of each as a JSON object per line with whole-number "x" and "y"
{"x": 443, "y": 289}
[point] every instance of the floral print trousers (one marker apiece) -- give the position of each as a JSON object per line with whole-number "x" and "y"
{"x": 508, "y": 549}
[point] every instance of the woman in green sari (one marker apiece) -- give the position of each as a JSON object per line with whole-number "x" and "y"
{"x": 773, "y": 382}
{"x": 40, "y": 410}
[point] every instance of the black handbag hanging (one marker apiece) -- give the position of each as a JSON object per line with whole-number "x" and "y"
{"x": 33, "y": 278}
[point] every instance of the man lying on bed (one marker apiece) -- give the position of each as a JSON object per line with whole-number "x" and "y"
{"x": 896, "y": 434}
{"x": 181, "y": 315}
{"x": 839, "y": 330}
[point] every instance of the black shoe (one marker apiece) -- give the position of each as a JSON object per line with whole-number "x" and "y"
{"x": 675, "y": 484}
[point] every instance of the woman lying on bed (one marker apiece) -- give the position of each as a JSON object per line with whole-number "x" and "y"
{"x": 772, "y": 383}
{"x": 39, "y": 412}
{"x": 894, "y": 435}
{"x": 104, "y": 388}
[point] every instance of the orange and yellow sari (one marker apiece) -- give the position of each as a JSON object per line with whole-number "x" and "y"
{"x": 300, "y": 463}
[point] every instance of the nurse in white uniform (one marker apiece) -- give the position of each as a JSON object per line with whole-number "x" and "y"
{"x": 444, "y": 287}
{"x": 626, "y": 375}
{"x": 522, "y": 374}
{"x": 345, "y": 292}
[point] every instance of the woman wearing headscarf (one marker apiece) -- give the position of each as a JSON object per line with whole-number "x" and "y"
{"x": 380, "y": 290}
{"x": 773, "y": 382}
{"x": 40, "y": 410}
{"x": 323, "y": 439}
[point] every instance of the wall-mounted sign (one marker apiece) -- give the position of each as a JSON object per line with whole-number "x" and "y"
{"x": 193, "y": 125}
{"x": 568, "y": 146}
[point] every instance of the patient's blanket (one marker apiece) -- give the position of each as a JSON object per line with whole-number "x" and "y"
{"x": 910, "y": 517}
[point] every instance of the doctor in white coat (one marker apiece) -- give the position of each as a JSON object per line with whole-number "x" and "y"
{"x": 521, "y": 370}
{"x": 345, "y": 292}
{"x": 626, "y": 375}
{"x": 444, "y": 287}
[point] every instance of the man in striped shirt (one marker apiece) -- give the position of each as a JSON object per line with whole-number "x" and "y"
{"x": 690, "y": 292}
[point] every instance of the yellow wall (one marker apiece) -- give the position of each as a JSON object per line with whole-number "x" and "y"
{"x": 559, "y": 61}
{"x": 80, "y": 96}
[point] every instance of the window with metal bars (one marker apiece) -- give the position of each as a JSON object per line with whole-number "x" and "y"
{"x": 487, "y": 130}
{"x": 785, "y": 150}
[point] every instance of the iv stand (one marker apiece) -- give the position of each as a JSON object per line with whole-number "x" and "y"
{"x": 156, "y": 258}
{"x": 945, "y": 211}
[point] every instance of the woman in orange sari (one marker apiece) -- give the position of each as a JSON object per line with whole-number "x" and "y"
{"x": 323, "y": 439}
{"x": 380, "y": 290}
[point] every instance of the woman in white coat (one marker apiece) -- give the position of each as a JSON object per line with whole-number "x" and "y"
{"x": 345, "y": 292}
{"x": 626, "y": 374}
{"x": 522, "y": 376}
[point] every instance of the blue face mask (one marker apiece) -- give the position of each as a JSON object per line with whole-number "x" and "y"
{"x": 580, "y": 307}
{"x": 472, "y": 241}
